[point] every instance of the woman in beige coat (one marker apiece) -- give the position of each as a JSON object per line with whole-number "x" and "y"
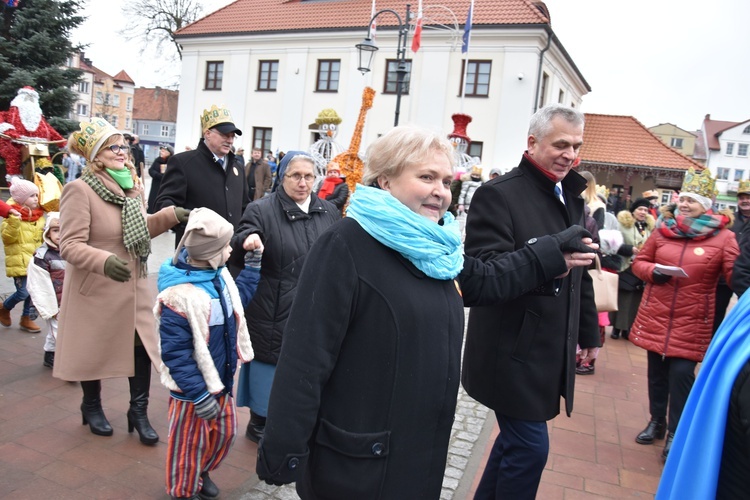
{"x": 106, "y": 325}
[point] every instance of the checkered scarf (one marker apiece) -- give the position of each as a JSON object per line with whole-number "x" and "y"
{"x": 695, "y": 228}
{"x": 135, "y": 233}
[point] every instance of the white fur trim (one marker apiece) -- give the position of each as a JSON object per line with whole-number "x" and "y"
{"x": 4, "y": 127}
{"x": 194, "y": 304}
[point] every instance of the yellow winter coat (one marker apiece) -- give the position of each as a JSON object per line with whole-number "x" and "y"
{"x": 21, "y": 239}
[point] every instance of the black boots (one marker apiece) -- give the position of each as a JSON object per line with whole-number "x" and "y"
{"x": 615, "y": 334}
{"x": 667, "y": 446}
{"x": 255, "y": 427}
{"x": 209, "y": 490}
{"x": 656, "y": 429}
{"x": 139, "y": 391}
{"x": 91, "y": 408}
{"x": 49, "y": 359}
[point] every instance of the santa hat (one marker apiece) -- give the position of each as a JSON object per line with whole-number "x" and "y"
{"x": 21, "y": 190}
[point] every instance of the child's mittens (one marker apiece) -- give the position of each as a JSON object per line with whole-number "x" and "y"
{"x": 252, "y": 259}
{"x": 208, "y": 409}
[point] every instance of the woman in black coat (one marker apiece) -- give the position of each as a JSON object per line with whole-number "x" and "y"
{"x": 156, "y": 171}
{"x": 365, "y": 388}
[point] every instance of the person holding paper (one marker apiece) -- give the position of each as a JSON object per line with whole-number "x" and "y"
{"x": 675, "y": 319}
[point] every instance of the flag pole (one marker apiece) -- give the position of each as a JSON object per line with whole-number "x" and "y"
{"x": 465, "y": 50}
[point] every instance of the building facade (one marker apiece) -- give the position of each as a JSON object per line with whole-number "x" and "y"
{"x": 727, "y": 145}
{"x": 154, "y": 119}
{"x": 276, "y": 65}
{"x": 676, "y": 138}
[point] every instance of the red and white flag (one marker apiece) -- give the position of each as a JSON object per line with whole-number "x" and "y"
{"x": 416, "y": 42}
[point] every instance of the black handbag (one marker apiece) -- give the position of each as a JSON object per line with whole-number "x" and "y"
{"x": 629, "y": 282}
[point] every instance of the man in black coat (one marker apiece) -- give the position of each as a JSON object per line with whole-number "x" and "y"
{"x": 208, "y": 176}
{"x": 741, "y": 228}
{"x": 520, "y": 356}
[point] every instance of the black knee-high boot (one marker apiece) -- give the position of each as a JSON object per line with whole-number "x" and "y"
{"x": 91, "y": 408}
{"x": 139, "y": 391}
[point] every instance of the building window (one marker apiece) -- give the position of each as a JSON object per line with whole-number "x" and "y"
{"x": 738, "y": 175}
{"x": 144, "y": 129}
{"x": 127, "y": 123}
{"x": 730, "y": 148}
{"x": 83, "y": 87}
{"x": 328, "y": 75}
{"x": 113, "y": 120}
{"x": 99, "y": 97}
{"x": 268, "y": 75}
{"x": 543, "y": 90}
{"x": 262, "y": 138}
{"x": 116, "y": 100}
{"x": 82, "y": 110}
{"x": 475, "y": 149}
{"x": 561, "y": 97}
{"x": 129, "y": 104}
{"x": 722, "y": 174}
{"x": 747, "y": 130}
{"x": 742, "y": 150}
{"x": 676, "y": 142}
{"x": 214, "y": 75}
{"x": 391, "y": 77}
{"x": 165, "y": 130}
{"x": 477, "y": 78}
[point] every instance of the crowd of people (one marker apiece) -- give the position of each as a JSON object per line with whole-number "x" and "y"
{"x": 345, "y": 310}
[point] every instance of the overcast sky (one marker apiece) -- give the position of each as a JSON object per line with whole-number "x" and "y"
{"x": 657, "y": 60}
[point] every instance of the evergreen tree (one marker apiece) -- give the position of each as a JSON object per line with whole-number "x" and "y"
{"x": 34, "y": 48}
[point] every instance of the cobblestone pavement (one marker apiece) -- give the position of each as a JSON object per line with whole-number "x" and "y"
{"x": 465, "y": 442}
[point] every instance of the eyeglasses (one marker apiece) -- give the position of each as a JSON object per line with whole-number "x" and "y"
{"x": 298, "y": 177}
{"x": 115, "y": 148}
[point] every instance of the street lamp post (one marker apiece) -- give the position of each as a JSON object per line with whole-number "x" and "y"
{"x": 367, "y": 49}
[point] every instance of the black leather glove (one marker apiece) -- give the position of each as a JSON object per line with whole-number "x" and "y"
{"x": 117, "y": 269}
{"x": 570, "y": 239}
{"x": 660, "y": 278}
{"x": 182, "y": 214}
{"x": 208, "y": 409}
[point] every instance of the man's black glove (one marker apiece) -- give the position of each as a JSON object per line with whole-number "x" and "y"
{"x": 660, "y": 278}
{"x": 570, "y": 239}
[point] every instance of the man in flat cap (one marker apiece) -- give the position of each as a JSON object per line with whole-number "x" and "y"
{"x": 208, "y": 176}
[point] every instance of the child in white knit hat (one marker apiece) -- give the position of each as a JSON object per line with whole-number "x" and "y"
{"x": 45, "y": 276}
{"x": 202, "y": 330}
{"x": 21, "y": 237}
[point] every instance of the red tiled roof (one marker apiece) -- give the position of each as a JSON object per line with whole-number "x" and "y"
{"x": 623, "y": 140}
{"x": 155, "y": 104}
{"x": 247, "y": 16}
{"x": 122, "y": 76}
{"x": 714, "y": 128}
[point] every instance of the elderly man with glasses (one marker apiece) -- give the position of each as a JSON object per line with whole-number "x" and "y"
{"x": 208, "y": 176}
{"x": 286, "y": 224}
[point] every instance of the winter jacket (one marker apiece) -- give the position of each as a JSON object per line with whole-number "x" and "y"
{"x": 262, "y": 179}
{"x": 468, "y": 187}
{"x": 99, "y": 316}
{"x": 287, "y": 233}
{"x": 21, "y": 239}
{"x": 156, "y": 176}
{"x": 631, "y": 237}
{"x": 202, "y": 331}
{"x": 520, "y": 355}
{"x": 339, "y": 196}
{"x": 675, "y": 319}
{"x": 368, "y": 375}
{"x": 46, "y": 275}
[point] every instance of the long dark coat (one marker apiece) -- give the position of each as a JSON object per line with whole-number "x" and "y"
{"x": 520, "y": 356}
{"x": 193, "y": 179}
{"x": 365, "y": 392}
{"x": 287, "y": 233}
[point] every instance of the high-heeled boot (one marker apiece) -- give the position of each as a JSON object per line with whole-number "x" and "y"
{"x": 667, "y": 446}
{"x": 91, "y": 408}
{"x": 139, "y": 392}
{"x": 255, "y": 427}
{"x": 656, "y": 429}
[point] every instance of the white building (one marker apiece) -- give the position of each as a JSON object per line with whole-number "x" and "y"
{"x": 726, "y": 146}
{"x": 276, "y": 65}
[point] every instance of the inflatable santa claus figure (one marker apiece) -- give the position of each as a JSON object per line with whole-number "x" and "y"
{"x": 25, "y": 123}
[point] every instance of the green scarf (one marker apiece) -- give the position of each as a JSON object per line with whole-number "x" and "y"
{"x": 121, "y": 177}
{"x": 135, "y": 233}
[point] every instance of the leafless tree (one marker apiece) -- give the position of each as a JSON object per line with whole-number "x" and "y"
{"x": 157, "y": 20}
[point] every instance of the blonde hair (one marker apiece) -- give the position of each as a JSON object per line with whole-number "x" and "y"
{"x": 95, "y": 165}
{"x": 401, "y": 147}
{"x": 589, "y": 194}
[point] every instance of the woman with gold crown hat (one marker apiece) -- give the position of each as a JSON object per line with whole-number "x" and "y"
{"x": 106, "y": 325}
{"x": 675, "y": 319}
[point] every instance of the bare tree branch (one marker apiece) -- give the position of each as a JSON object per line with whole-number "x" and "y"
{"x": 156, "y": 21}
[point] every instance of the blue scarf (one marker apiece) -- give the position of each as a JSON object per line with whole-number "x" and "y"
{"x": 434, "y": 249}
{"x": 692, "y": 468}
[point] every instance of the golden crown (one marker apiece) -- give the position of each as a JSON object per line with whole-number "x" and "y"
{"x": 699, "y": 183}
{"x": 215, "y": 116}
{"x": 744, "y": 187}
{"x": 89, "y": 139}
{"x": 601, "y": 190}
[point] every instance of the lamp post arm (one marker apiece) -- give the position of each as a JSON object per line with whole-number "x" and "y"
{"x": 369, "y": 26}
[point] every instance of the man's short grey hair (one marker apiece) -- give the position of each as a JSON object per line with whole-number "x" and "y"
{"x": 541, "y": 121}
